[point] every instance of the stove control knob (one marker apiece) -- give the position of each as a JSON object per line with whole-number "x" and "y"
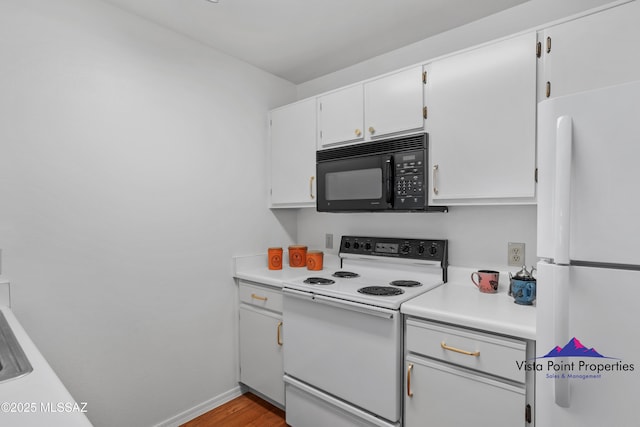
{"x": 367, "y": 246}
{"x": 421, "y": 249}
{"x": 433, "y": 250}
{"x": 405, "y": 249}
{"x": 356, "y": 245}
{"x": 347, "y": 245}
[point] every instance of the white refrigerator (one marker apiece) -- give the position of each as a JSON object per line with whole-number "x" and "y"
{"x": 588, "y": 282}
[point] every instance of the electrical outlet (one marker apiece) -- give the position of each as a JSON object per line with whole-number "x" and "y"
{"x": 516, "y": 254}
{"x": 328, "y": 241}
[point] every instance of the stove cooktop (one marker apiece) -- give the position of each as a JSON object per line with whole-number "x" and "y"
{"x": 379, "y": 289}
{"x": 383, "y": 272}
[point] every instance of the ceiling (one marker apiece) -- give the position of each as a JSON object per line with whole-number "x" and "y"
{"x": 300, "y": 40}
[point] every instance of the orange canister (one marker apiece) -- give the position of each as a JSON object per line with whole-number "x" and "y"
{"x": 297, "y": 256}
{"x": 314, "y": 260}
{"x": 274, "y": 256}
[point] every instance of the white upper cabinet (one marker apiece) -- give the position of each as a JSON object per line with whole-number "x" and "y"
{"x": 388, "y": 105}
{"x": 481, "y": 124}
{"x": 341, "y": 116}
{"x": 293, "y": 160}
{"x": 393, "y": 104}
{"x": 591, "y": 52}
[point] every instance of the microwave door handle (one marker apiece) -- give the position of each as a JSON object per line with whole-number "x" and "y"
{"x": 389, "y": 180}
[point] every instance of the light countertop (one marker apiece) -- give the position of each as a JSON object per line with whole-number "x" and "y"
{"x": 456, "y": 302}
{"x": 460, "y": 303}
{"x": 38, "y": 398}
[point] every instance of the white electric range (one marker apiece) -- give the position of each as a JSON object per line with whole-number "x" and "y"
{"x": 343, "y": 331}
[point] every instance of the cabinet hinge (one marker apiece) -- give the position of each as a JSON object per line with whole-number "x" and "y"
{"x": 548, "y": 90}
{"x": 424, "y": 77}
{"x": 424, "y": 112}
{"x": 527, "y": 414}
{"x": 539, "y": 49}
{"x": 548, "y": 44}
{"x": 535, "y": 175}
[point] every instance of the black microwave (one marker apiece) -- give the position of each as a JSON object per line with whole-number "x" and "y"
{"x": 386, "y": 175}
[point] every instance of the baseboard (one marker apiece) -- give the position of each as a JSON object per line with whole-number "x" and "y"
{"x": 202, "y": 408}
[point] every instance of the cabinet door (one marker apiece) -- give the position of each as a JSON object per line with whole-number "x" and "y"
{"x": 261, "y": 366}
{"x": 481, "y": 124}
{"x": 393, "y": 103}
{"x": 446, "y": 396}
{"x": 592, "y": 52}
{"x": 341, "y": 116}
{"x": 293, "y": 161}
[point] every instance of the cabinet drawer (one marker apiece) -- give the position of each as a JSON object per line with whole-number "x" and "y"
{"x": 492, "y": 354}
{"x": 261, "y": 296}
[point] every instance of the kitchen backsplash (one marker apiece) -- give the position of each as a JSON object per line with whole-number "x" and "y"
{"x": 478, "y": 235}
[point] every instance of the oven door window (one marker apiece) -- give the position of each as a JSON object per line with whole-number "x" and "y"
{"x": 354, "y": 184}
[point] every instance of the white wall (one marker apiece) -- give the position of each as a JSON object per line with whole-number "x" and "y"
{"x": 478, "y": 235}
{"x": 131, "y": 169}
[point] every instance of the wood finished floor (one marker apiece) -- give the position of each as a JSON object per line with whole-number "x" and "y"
{"x": 247, "y": 410}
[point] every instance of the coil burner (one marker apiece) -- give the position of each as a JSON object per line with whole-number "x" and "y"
{"x": 319, "y": 281}
{"x": 406, "y": 283}
{"x": 384, "y": 291}
{"x": 345, "y": 274}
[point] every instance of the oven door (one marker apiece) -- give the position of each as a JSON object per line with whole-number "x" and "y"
{"x": 348, "y": 350}
{"x": 355, "y": 184}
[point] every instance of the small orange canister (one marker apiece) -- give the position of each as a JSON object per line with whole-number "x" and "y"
{"x": 314, "y": 260}
{"x": 297, "y": 256}
{"x": 275, "y": 258}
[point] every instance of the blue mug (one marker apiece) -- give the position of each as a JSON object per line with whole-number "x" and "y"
{"x": 523, "y": 291}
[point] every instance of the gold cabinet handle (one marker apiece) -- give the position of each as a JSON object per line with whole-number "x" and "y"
{"x": 371, "y": 130}
{"x": 358, "y": 132}
{"x": 258, "y": 297}
{"x": 435, "y": 171}
{"x": 409, "y": 392}
{"x": 279, "y": 333}
{"x": 311, "y": 187}
{"x": 457, "y": 350}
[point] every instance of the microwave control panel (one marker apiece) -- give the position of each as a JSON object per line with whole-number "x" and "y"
{"x": 409, "y": 180}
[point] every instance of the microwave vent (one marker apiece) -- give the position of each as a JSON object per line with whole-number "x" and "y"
{"x": 414, "y": 142}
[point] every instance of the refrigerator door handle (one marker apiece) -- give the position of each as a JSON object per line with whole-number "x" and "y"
{"x": 561, "y": 330}
{"x": 562, "y": 198}
{"x": 562, "y": 223}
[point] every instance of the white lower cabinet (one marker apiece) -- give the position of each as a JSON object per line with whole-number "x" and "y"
{"x": 457, "y": 376}
{"x": 261, "y": 353}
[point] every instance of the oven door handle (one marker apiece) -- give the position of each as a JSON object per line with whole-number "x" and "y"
{"x": 339, "y": 303}
{"x": 354, "y": 306}
{"x": 297, "y": 294}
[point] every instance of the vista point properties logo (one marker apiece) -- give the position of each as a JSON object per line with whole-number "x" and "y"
{"x": 575, "y": 360}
